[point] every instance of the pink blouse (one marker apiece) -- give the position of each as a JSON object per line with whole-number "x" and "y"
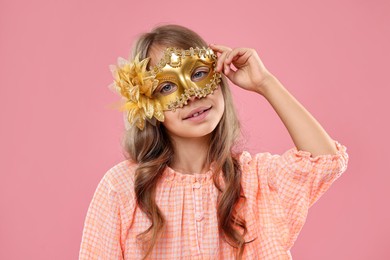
{"x": 279, "y": 190}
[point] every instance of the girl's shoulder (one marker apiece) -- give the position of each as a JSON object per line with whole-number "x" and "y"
{"x": 120, "y": 177}
{"x": 249, "y": 161}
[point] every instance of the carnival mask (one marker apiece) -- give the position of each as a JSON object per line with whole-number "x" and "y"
{"x": 179, "y": 75}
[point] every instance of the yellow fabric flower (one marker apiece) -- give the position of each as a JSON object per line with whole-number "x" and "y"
{"x": 136, "y": 84}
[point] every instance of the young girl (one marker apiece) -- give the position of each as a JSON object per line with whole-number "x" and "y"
{"x": 185, "y": 192}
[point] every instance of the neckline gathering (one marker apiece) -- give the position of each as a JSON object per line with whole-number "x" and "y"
{"x": 177, "y": 176}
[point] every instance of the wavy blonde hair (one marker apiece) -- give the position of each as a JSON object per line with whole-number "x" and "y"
{"x": 152, "y": 150}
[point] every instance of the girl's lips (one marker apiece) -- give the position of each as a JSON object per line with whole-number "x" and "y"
{"x": 198, "y": 114}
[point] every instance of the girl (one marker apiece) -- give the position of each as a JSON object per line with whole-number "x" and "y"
{"x": 185, "y": 191}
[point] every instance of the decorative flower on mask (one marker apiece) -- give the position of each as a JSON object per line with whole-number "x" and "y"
{"x": 136, "y": 85}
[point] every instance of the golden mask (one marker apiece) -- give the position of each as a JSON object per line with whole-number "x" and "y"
{"x": 179, "y": 75}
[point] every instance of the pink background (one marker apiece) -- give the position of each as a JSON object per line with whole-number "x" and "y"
{"x": 58, "y": 137}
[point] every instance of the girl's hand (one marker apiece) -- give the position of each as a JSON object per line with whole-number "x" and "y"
{"x": 250, "y": 73}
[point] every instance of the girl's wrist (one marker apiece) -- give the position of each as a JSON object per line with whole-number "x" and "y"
{"x": 266, "y": 84}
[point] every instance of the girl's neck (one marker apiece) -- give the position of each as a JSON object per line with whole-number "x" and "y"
{"x": 190, "y": 155}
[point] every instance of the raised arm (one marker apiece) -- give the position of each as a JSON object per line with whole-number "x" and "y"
{"x": 305, "y": 131}
{"x": 251, "y": 74}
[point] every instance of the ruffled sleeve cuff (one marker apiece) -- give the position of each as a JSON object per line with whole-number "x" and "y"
{"x": 328, "y": 163}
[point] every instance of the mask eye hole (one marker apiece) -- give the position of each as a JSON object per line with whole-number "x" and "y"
{"x": 166, "y": 88}
{"x": 200, "y": 73}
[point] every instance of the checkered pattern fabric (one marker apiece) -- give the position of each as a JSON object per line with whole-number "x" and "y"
{"x": 279, "y": 190}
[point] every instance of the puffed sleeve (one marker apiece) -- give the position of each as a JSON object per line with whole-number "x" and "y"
{"x": 300, "y": 180}
{"x": 101, "y": 237}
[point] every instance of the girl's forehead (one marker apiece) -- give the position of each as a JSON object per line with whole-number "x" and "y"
{"x": 156, "y": 53}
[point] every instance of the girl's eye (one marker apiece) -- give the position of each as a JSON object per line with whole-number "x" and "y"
{"x": 200, "y": 74}
{"x": 167, "y": 88}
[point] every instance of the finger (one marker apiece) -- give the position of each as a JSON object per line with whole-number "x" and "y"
{"x": 235, "y": 55}
{"x": 222, "y": 50}
{"x": 219, "y": 48}
{"x": 229, "y": 73}
{"x": 220, "y": 61}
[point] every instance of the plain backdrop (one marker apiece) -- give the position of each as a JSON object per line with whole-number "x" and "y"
{"x": 59, "y": 136}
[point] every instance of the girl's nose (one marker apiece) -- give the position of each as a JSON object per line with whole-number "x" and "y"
{"x": 191, "y": 99}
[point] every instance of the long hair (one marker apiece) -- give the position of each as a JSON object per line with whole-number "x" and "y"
{"x": 152, "y": 150}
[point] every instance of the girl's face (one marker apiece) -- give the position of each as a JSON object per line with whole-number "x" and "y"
{"x": 200, "y": 116}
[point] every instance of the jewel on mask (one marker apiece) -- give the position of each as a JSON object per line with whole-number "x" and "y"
{"x": 175, "y": 60}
